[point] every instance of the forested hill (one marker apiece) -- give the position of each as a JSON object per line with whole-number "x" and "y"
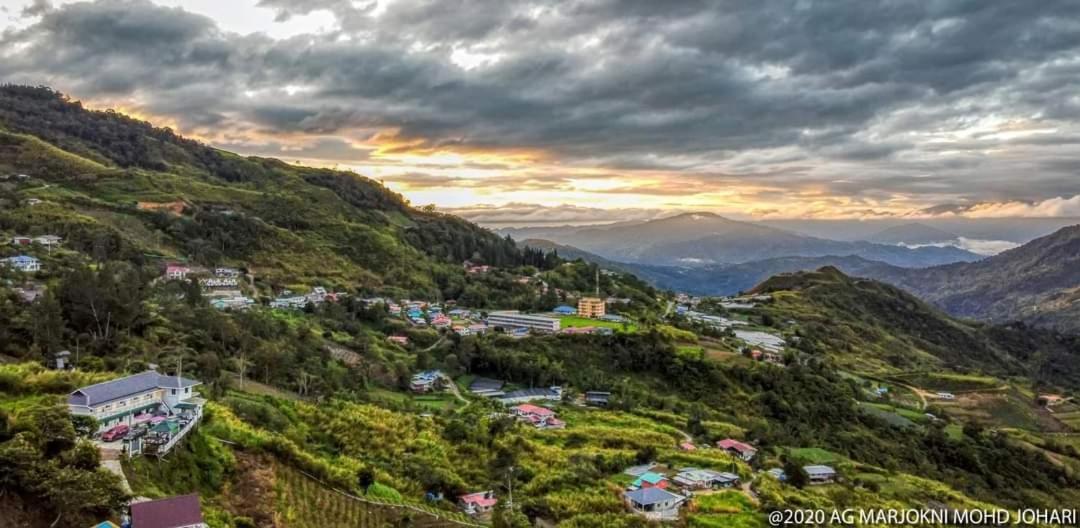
{"x": 1038, "y": 282}
{"x": 874, "y": 326}
{"x": 284, "y": 220}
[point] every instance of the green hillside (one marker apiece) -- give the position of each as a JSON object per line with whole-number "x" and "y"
{"x": 872, "y": 326}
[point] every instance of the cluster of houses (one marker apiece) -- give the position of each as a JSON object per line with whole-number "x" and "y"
{"x": 26, "y": 263}
{"x": 319, "y": 295}
{"x": 147, "y": 413}
{"x": 652, "y": 493}
{"x": 47, "y": 241}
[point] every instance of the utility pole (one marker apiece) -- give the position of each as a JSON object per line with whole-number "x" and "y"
{"x": 510, "y": 484}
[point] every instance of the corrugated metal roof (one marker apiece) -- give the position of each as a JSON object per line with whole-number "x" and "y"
{"x": 647, "y": 496}
{"x": 127, "y": 386}
{"x": 167, "y": 513}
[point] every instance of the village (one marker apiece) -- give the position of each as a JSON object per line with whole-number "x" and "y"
{"x": 149, "y": 414}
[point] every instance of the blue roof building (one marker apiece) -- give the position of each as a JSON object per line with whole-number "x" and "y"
{"x": 565, "y": 310}
{"x": 655, "y": 503}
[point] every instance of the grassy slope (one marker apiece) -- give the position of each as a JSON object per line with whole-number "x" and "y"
{"x": 872, "y": 327}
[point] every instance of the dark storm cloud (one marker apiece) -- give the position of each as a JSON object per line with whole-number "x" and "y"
{"x": 853, "y": 86}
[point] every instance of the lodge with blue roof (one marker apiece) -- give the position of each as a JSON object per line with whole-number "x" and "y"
{"x": 121, "y": 400}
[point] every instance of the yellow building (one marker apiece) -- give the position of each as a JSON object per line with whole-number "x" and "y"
{"x": 590, "y": 307}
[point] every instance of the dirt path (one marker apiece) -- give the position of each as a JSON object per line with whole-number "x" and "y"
{"x": 110, "y": 461}
{"x": 456, "y": 391}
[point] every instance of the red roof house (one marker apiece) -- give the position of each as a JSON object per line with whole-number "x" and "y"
{"x": 175, "y": 512}
{"x": 743, "y": 450}
{"x": 479, "y": 502}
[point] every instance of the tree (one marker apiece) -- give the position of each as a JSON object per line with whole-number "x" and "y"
{"x": 365, "y": 478}
{"x": 53, "y": 429}
{"x": 796, "y": 475}
{"x": 84, "y": 455}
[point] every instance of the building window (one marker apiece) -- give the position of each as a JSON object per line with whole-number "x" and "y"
{"x": 173, "y": 391}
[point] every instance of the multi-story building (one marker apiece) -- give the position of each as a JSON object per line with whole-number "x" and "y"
{"x": 591, "y": 307}
{"x": 515, "y": 319}
{"x": 119, "y": 401}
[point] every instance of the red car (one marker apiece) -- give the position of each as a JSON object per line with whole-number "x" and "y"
{"x": 115, "y": 433}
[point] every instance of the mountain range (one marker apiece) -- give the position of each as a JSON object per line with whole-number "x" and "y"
{"x": 702, "y": 239}
{"x": 1038, "y": 282}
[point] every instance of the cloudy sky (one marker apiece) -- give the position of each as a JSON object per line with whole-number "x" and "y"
{"x": 598, "y": 109}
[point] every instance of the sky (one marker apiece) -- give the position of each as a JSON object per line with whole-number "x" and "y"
{"x": 601, "y": 110}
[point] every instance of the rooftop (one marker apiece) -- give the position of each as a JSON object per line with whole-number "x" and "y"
{"x": 647, "y": 496}
{"x": 173, "y": 512}
{"x": 127, "y": 386}
{"x": 819, "y": 470}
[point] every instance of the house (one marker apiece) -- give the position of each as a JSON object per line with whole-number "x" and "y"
{"x": 61, "y": 359}
{"x": 219, "y": 283}
{"x": 232, "y": 303}
{"x": 591, "y": 307}
{"x": 401, "y": 340}
{"x": 176, "y": 208}
{"x": 687, "y": 446}
{"x": 132, "y": 399}
{"x": 33, "y": 201}
{"x": 294, "y": 302}
{"x": 49, "y": 241}
{"x": 487, "y": 387}
{"x": 441, "y": 321}
{"x": 175, "y": 512}
{"x": 945, "y": 396}
{"x": 176, "y": 271}
{"x": 696, "y": 479}
{"x": 777, "y": 474}
{"x": 540, "y": 417}
{"x": 655, "y": 503}
{"x": 23, "y": 263}
{"x": 478, "y": 503}
{"x": 820, "y": 474}
{"x": 597, "y": 398}
{"x": 30, "y": 293}
{"x": 514, "y": 319}
{"x": 637, "y": 471}
{"x": 565, "y": 310}
{"x": 21, "y": 240}
{"x": 476, "y": 268}
{"x": 650, "y": 479}
{"x": 227, "y": 272}
{"x": 737, "y": 448}
{"x": 426, "y": 381}
{"x": 527, "y": 395}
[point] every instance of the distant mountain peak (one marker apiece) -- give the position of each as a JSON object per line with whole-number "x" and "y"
{"x": 913, "y": 233}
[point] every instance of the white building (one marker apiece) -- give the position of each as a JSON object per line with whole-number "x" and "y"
{"x": 119, "y": 401}
{"x": 515, "y": 319}
{"x": 23, "y": 263}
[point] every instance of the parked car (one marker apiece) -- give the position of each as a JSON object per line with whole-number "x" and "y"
{"x": 115, "y": 433}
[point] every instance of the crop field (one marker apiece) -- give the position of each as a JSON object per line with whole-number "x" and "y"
{"x": 305, "y": 503}
{"x": 936, "y": 381}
